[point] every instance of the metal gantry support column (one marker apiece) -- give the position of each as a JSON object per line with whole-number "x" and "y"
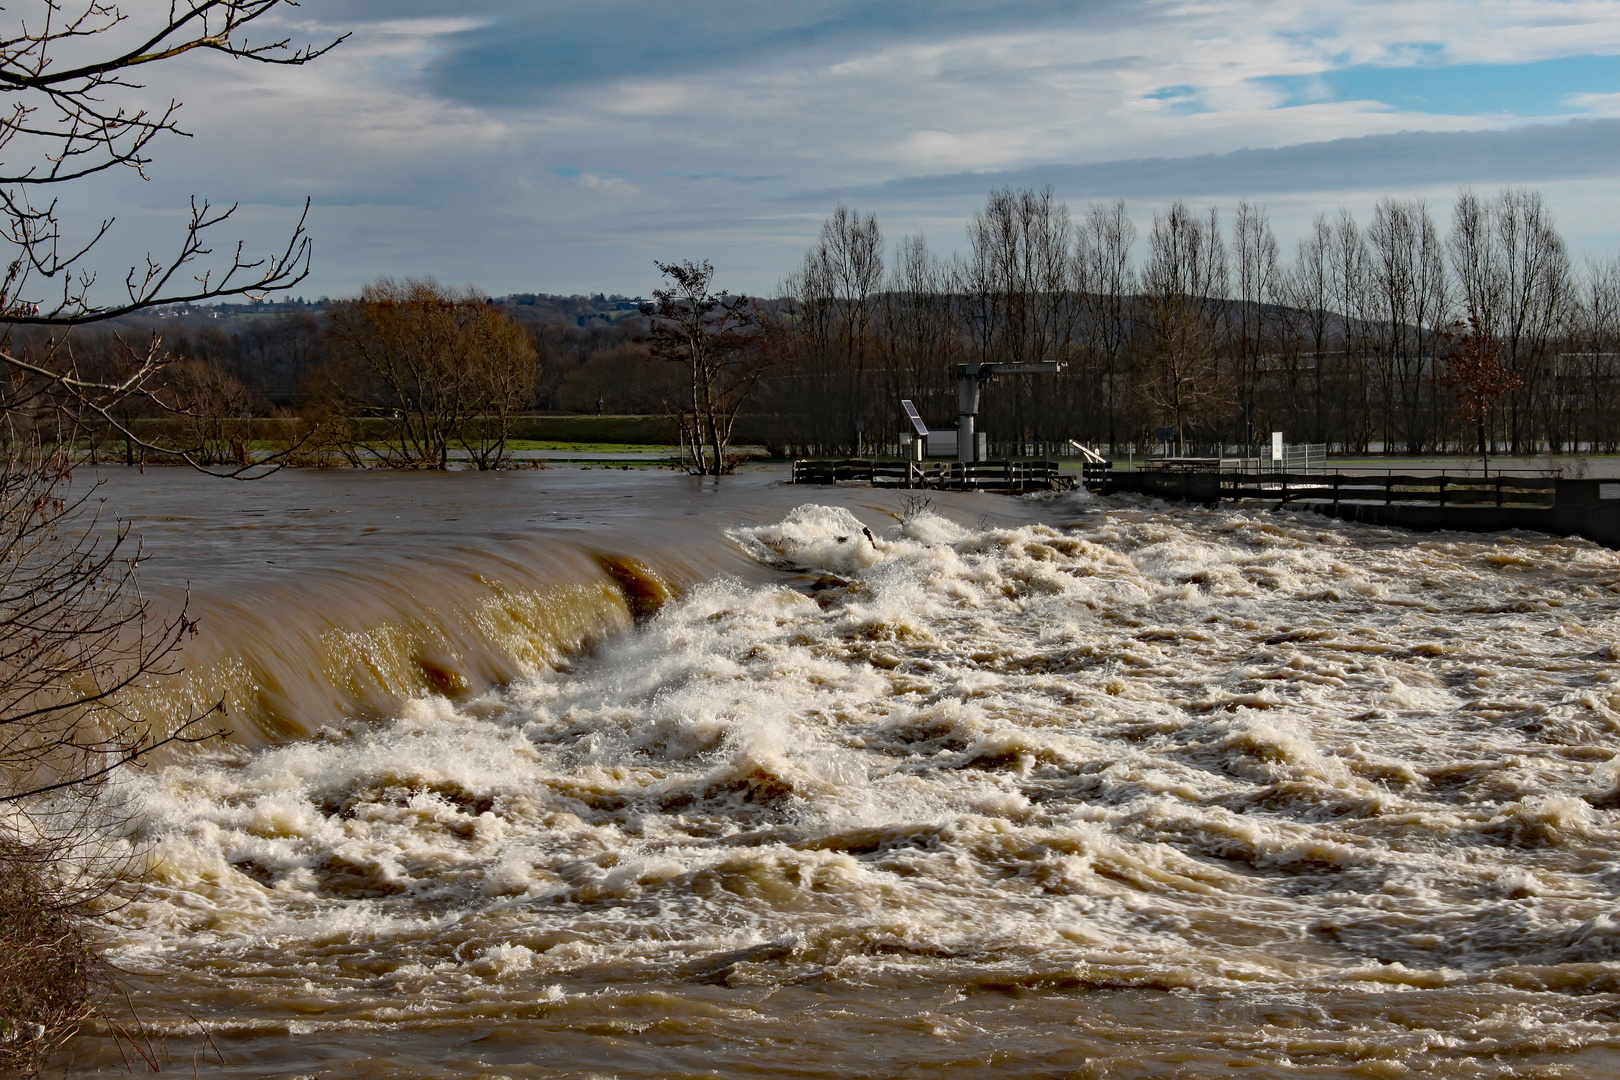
{"x": 970, "y": 380}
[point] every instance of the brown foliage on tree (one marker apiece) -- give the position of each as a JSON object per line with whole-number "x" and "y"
{"x": 215, "y": 413}
{"x": 47, "y": 969}
{"x": 452, "y": 368}
{"x": 1475, "y": 374}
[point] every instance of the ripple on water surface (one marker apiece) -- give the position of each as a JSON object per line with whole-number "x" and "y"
{"x": 1158, "y": 793}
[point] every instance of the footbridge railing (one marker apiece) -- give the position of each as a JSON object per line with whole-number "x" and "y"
{"x": 1581, "y": 507}
{"x": 1522, "y": 491}
{"x": 1001, "y": 476}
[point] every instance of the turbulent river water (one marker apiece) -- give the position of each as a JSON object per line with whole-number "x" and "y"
{"x": 601, "y": 774}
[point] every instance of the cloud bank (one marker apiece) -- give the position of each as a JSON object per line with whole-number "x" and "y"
{"x": 1407, "y": 160}
{"x": 528, "y": 145}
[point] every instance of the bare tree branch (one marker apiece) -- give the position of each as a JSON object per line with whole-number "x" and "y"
{"x": 74, "y": 112}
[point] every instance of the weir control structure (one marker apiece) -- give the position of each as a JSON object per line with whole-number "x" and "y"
{"x": 970, "y": 379}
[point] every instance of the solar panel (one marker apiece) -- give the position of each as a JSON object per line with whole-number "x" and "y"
{"x": 912, "y": 415}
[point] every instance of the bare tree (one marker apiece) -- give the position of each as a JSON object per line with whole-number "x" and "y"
{"x": 1345, "y": 344}
{"x": 452, "y": 368}
{"x": 832, "y": 302}
{"x": 716, "y": 338}
{"x": 1184, "y": 284}
{"x": 1352, "y": 292}
{"x": 1410, "y": 287}
{"x": 1020, "y": 284}
{"x": 1108, "y": 280}
{"x": 1514, "y": 278}
{"x": 216, "y": 412}
{"x": 84, "y": 658}
{"x": 77, "y": 639}
{"x": 1596, "y": 342}
{"x": 919, "y": 336}
{"x": 849, "y": 258}
{"x": 70, "y": 71}
{"x": 79, "y": 644}
{"x": 1254, "y": 248}
{"x": 1308, "y": 288}
{"x": 500, "y": 366}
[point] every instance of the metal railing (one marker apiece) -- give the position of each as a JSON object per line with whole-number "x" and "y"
{"x": 1003, "y": 476}
{"x": 1391, "y": 488}
{"x": 1297, "y": 458}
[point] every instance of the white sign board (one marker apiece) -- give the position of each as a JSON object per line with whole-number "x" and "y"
{"x": 1276, "y": 446}
{"x": 1609, "y": 491}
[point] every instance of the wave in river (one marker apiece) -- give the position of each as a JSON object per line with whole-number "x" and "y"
{"x": 1205, "y": 752}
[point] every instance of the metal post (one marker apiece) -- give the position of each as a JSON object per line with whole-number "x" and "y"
{"x": 967, "y": 409}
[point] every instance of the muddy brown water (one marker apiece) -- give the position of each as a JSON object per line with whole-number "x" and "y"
{"x": 595, "y": 773}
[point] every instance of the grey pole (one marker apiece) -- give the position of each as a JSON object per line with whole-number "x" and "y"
{"x": 967, "y": 412}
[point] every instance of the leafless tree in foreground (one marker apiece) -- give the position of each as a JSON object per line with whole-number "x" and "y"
{"x": 82, "y": 654}
{"x": 79, "y": 644}
{"x": 77, "y": 638}
{"x": 72, "y": 110}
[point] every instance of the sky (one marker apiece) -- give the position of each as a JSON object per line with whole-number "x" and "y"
{"x": 541, "y": 146}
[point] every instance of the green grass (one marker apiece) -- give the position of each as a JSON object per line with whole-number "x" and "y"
{"x": 514, "y": 444}
{"x": 588, "y": 447}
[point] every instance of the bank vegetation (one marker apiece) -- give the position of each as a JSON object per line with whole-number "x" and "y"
{"x": 1198, "y": 334}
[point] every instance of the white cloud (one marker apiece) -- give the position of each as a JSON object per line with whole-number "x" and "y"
{"x": 1597, "y": 104}
{"x": 616, "y": 186}
{"x": 581, "y": 181}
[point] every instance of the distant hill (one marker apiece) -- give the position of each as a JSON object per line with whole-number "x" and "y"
{"x": 543, "y": 309}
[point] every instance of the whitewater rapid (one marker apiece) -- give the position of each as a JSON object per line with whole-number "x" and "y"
{"x": 1123, "y": 790}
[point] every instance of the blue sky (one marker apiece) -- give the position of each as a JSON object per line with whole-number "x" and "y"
{"x": 563, "y": 147}
{"x": 1537, "y": 88}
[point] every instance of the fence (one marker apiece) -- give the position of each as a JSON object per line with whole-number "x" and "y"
{"x": 1297, "y": 458}
{"x": 1391, "y": 488}
{"x": 1003, "y": 476}
{"x": 1589, "y": 508}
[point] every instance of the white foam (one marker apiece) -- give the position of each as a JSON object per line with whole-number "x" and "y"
{"x": 1189, "y": 747}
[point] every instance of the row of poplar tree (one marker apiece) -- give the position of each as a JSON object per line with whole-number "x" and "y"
{"x": 1204, "y": 331}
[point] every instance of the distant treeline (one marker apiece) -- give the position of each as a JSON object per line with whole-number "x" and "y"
{"x": 1205, "y": 333}
{"x": 1201, "y": 331}
{"x": 281, "y": 353}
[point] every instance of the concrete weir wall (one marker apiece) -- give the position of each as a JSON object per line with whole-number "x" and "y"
{"x": 1585, "y": 508}
{"x": 1201, "y": 487}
